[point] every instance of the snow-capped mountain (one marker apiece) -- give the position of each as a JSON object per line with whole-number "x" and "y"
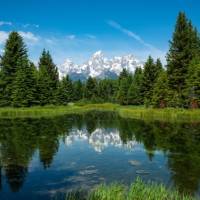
{"x": 99, "y": 139}
{"x": 99, "y": 66}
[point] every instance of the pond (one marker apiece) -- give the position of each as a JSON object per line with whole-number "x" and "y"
{"x": 46, "y": 157}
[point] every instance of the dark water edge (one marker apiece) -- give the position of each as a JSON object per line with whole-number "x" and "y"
{"x": 43, "y": 158}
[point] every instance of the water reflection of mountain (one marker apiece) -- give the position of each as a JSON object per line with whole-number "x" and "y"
{"x": 99, "y": 139}
{"x": 21, "y": 138}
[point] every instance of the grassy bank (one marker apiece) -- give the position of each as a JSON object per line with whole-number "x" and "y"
{"x": 51, "y": 111}
{"x": 137, "y": 191}
{"x": 168, "y": 114}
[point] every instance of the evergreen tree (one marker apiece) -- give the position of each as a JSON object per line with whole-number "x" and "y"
{"x": 101, "y": 90}
{"x": 65, "y": 91}
{"x": 24, "y": 89}
{"x": 160, "y": 91}
{"x": 44, "y": 87}
{"x": 193, "y": 84}
{"x": 150, "y": 74}
{"x": 14, "y": 51}
{"x": 46, "y": 60}
{"x": 194, "y": 41}
{"x": 159, "y": 66}
{"x": 2, "y": 92}
{"x": 49, "y": 69}
{"x": 112, "y": 90}
{"x": 123, "y": 91}
{"x": 90, "y": 89}
{"x": 124, "y": 81}
{"x": 134, "y": 92}
{"x": 123, "y": 74}
{"x": 183, "y": 48}
{"x": 35, "y": 73}
{"x": 78, "y": 90}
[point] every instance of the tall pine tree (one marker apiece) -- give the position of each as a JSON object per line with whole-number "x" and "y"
{"x": 24, "y": 88}
{"x": 193, "y": 84}
{"x": 159, "y": 66}
{"x": 183, "y": 48}
{"x": 134, "y": 92}
{"x": 65, "y": 91}
{"x": 150, "y": 74}
{"x": 122, "y": 95}
{"x": 161, "y": 91}
{"x": 90, "y": 91}
{"x": 48, "y": 79}
{"x": 14, "y": 52}
{"x": 78, "y": 90}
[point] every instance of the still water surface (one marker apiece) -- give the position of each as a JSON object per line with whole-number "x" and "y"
{"x": 43, "y": 158}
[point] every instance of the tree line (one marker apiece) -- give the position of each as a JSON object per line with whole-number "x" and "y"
{"x": 22, "y": 84}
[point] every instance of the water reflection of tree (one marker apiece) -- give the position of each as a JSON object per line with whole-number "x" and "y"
{"x": 20, "y": 138}
{"x": 184, "y": 157}
{"x": 15, "y": 175}
{"x": 16, "y": 150}
{"x": 0, "y": 177}
{"x": 180, "y": 142}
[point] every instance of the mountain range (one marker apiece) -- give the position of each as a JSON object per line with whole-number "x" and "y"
{"x": 99, "y": 139}
{"x": 98, "y": 66}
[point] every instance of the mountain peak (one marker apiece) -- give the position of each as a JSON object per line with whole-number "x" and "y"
{"x": 99, "y": 66}
{"x": 98, "y": 54}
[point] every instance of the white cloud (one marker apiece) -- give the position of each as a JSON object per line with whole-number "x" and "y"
{"x": 29, "y": 37}
{"x": 1, "y": 51}
{"x": 131, "y": 34}
{"x": 3, "y": 36}
{"x": 71, "y": 37}
{"x": 5, "y": 23}
{"x": 150, "y": 50}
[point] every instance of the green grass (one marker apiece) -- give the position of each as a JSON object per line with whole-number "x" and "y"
{"x": 137, "y": 191}
{"x": 50, "y": 111}
{"x": 168, "y": 114}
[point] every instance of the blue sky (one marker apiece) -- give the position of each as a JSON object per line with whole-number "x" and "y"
{"x": 77, "y": 28}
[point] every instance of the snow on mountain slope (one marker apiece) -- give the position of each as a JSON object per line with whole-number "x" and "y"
{"x": 99, "y": 66}
{"x": 99, "y": 139}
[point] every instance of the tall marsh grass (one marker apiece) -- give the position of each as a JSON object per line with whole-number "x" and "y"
{"x": 167, "y": 114}
{"x": 137, "y": 191}
{"x": 51, "y": 110}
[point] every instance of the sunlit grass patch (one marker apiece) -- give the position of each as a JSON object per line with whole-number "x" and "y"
{"x": 137, "y": 191}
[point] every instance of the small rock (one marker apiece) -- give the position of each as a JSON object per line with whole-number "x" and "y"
{"x": 90, "y": 167}
{"x": 88, "y": 172}
{"x": 134, "y": 162}
{"x": 142, "y": 172}
{"x": 101, "y": 178}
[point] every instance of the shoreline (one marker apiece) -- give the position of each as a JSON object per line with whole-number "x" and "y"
{"x": 133, "y": 112}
